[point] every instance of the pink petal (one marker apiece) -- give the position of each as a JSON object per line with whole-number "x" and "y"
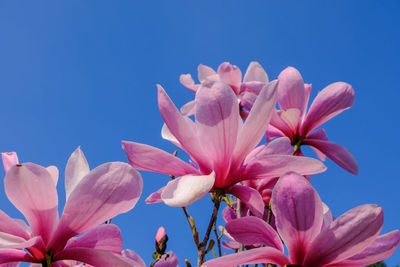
{"x": 187, "y": 81}
{"x": 105, "y": 237}
{"x": 133, "y": 256}
{"x": 252, "y": 256}
{"x": 77, "y": 168}
{"x": 256, "y": 124}
{"x": 185, "y": 190}
{"x": 269, "y": 166}
{"x": 183, "y": 129}
{"x": 335, "y": 152}
{"x": 188, "y": 109}
{"x": 254, "y": 231}
{"x": 204, "y": 72}
{"x": 347, "y": 236}
{"x": 291, "y": 117}
{"x": 255, "y": 72}
{"x": 169, "y": 259}
{"x": 331, "y": 101}
{"x": 328, "y": 218}
{"x": 155, "y": 197}
{"x": 9, "y": 159}
{"x": 247, "y": 100}
{"x": 33, "y": 192}
{"x": 10, "y": 226}
{"x": 94, "y": 257}
{"x": 12, "y": 241}
{"x": 53, "y": 170}
{"x": 167, "y": 135}
{"x": 298, "y": 211}
{"x": 248, "y": 196}
{"x": 382, "y": 248}
{"x": 291, "y": 92}
{"x": 280, "y": 124}
{"x": 108, "y": 190}
{"x": 148, "y": 158}
{"x": 217, "y": 116}
{"x": 272, "y": 132}
{"x": 12, "y": 255}
{"x": 230, "y": 75}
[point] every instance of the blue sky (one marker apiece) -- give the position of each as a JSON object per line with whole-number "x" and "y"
{"x": 84, "y": 73}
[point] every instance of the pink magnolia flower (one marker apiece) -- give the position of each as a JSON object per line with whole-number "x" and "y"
{"x": 295, "y": 122}
{"x": 220, "y": 146}
{"x": 92, "y": 197}
{"x": 350, "y": 240}
{"x": 254, "y": 80}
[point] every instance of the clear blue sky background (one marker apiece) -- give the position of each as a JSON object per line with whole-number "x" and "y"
{"x": 84, "y": 73}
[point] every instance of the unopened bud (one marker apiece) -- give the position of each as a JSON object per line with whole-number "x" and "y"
{"x": 161, "y": 240}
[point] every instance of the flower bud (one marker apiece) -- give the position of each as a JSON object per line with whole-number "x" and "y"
{"x": 161, "y": 240}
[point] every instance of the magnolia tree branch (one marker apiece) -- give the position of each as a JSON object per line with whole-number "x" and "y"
{"x": 201, "y": 249}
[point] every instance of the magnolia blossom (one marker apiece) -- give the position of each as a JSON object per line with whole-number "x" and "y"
{"x": 220, "y": 145}
{"x": 295, "y": 122}
{"x": 246, "y": 92}
{"x": 311, "y": 238}
{"x": 92, "y": 197}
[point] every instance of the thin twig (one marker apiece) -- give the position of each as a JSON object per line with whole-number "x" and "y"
{"x": 202, "y": 245}
{"x": 218, "y": 240}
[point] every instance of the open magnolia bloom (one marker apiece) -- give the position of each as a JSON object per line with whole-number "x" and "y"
{"x": 92, "y": 197}
{"x": 220, "y": 145}
{"x": 293, "y": 120}
{"x": 312, "y": 238}
{"x": 246, "y": 91}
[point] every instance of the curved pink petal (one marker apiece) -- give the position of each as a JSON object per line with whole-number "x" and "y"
{"x": 12, "y": 255}
{"x": 255, "y": 72}
{"x": 335, "y": 152}
{"x": 291, "y": 91}
{"x": 13, "y": 241}
{"x": 54, "y": 173}
{"x": 185, "y": 190}
{"x": 169, "y": 259}
{"x": 347, "y": 236}
{"x": 382, "y": 248}
{"x": 328, "y": 218}
{"x": 247, "y": 100}
{"x": 251, "y": 230}
{"x": 94, "y": 257}
{"x": 269, "y": 166}
{"x": 256, "y": 123}
{"x": 187, "y": 81}
{"x": 148, "y": 158}
{"x": 31, "y": 189}
{"x": 277, "y": 122}
{"x": 279, "y": 145}
{"x": 167, "y": 135}
{"x": 155, "y": 197}
{"x": 183, "y": 129}
{"x": 230, "y": 75}
{"x": 331, "y": 101}
{"x": 204, "y": 72}
{"x": 133, "y": 256}
{"x": 105, "y": 237}
{"x": 252, "y": 256}
{"x": 272, "y": 132}
{"x": 291, "y": 117}
{"x": 9, "y": 159}
{"x": 217, "y": 116}
{"x": 10, "y": 226}
{"x": 77, "y": 168}
{"x": 189, "y": 108}
{"x": 248, "y": 196}
{"x": 108, "y": 190}
{"x": 298, "y": 212}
